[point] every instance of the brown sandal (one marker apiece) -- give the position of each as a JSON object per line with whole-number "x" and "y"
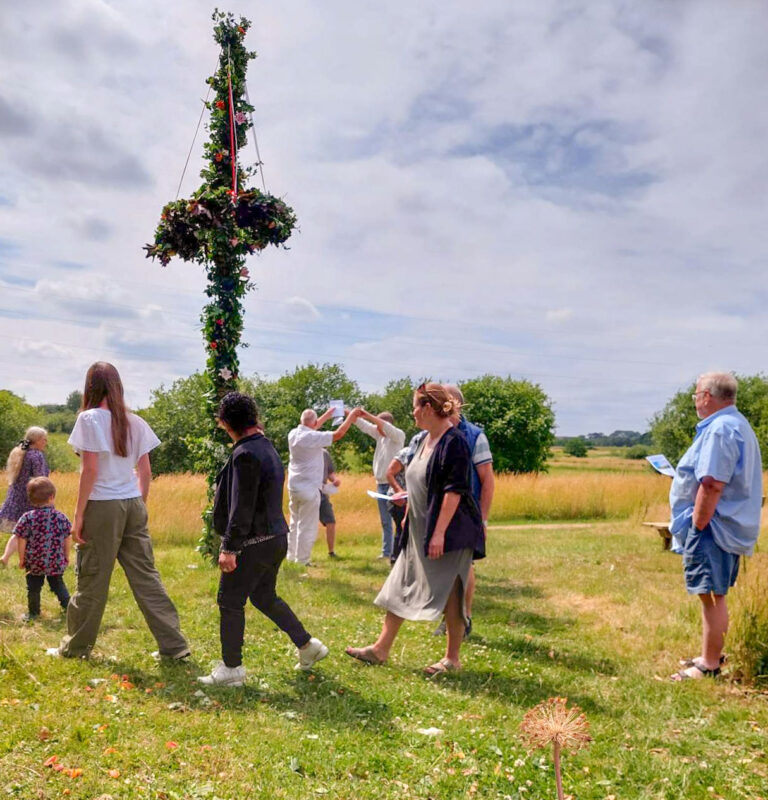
{"x": 366, "y": 655}
{"x": 441, "y": 667}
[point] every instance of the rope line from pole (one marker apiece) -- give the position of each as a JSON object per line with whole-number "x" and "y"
{"x": 255, "y": 141}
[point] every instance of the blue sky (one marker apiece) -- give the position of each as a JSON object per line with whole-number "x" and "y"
{"x": 569, "y": 192}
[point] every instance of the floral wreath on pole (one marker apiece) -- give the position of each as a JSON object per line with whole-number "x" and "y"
{"x": 219, "y": 227}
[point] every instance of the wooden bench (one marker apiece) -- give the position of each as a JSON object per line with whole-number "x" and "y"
{"x": 663, "y": 531}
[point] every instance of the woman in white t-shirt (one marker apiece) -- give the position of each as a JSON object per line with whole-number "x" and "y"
{"x": 111, "y": 518}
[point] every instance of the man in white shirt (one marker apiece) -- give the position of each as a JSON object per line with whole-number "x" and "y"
{"x": 305, "y": 478}
{"x": 389, "y": 441}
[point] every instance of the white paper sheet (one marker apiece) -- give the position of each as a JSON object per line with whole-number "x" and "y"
{"x": 338, "y": 411}
{"x": 379, "y": 496}
{"x": 661, "y": 464}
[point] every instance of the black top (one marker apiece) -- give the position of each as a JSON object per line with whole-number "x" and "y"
{"x": 448, "y": 470}
{"x": 248, "y": 505}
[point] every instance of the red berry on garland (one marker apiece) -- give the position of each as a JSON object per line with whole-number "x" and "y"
{"x": 219, "y": 156}
{"x": 219, "y": 321}
{"x": 214, "y": 346}
{"x": 241, "y": 30}
{"x": 221, "y": 104}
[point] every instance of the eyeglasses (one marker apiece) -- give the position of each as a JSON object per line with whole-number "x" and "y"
{"x": 696, "y": 394}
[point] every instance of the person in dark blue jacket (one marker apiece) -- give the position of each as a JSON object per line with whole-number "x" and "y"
{"x": 443, "y": 531}
{"x": 248, "y": 516}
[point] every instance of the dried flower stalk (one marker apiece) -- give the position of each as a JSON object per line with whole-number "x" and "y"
{"x": 552, "y": 722}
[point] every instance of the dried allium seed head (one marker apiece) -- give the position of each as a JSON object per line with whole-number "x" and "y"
{"x": 553, "y": 722}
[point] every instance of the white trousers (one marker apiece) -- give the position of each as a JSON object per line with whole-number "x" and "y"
{"x": 304, "y": 507}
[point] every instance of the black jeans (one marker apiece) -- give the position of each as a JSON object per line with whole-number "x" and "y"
{"x": 34, "y": 586}
{"x": 254, "y": 579}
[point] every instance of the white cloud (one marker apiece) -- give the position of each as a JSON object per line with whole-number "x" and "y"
{"x": 498, "y": 175}
{"x": 301, "y": 308}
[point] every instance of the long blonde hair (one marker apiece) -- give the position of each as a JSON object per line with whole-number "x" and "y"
{"x": 16, "y": 456}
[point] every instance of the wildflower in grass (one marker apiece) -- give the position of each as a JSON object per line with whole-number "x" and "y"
{"x": 552, "y": 722}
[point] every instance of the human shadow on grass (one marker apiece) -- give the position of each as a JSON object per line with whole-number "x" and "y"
{"x": 521, "y": 690}
{"x": 314, "y": 695}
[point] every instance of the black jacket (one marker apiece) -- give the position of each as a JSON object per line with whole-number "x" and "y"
{"x": 448, "y": 470}
{"x": 248, "y": 504}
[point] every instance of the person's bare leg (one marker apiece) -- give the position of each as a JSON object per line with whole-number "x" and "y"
{"x": 714, "y": 626}
{"x": 10, "y": 548}
{"x": 470, "y": 592}
{"x": 454, "y": 624}
{"x": 389, "y": 630}
{"x": 330, "y": 536}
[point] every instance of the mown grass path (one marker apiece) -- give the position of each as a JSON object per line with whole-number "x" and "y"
{"x": 595, "y": 614}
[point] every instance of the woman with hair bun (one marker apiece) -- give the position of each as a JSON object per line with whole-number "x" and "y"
{"x": 443, "y": 531}
{"x": 111, "y": 518}
{"x": 25, "y": 461}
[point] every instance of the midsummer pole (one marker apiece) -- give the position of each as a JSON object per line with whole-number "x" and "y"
{"x": 219, "y": 227}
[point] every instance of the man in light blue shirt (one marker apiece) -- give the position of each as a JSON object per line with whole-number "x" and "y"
{"x": 715, "y": 499}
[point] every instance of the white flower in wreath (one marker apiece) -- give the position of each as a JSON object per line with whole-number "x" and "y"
{"x": 226, "y": 373}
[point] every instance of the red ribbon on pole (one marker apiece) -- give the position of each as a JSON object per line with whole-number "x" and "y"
{"x": 232, "y": 137}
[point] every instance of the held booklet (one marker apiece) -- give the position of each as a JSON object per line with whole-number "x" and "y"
{"x": 661, "y": 464}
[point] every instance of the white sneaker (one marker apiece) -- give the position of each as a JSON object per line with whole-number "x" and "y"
{"x": 314, "y": 651}
{"x": 223, "y": 675}
{"x": 53, "y": 652}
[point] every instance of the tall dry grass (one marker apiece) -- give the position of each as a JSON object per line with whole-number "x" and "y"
{"x": 176, "y": 501}
{"x": 748, "y": 631}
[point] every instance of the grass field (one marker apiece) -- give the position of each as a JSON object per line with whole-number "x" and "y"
{"x": 176, "y": 501}
{"x": 594, "y": 612}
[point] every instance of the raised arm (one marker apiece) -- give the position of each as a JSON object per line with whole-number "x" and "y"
{"x": 324, "y": 417}
{"x": 372, "y": 419}
{"x": 341, "y": 431}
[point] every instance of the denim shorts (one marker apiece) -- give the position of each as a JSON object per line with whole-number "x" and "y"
{"x": 706, "y": 566}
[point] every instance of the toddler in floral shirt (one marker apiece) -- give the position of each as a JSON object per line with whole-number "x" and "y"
{"x": 44, "y": 538}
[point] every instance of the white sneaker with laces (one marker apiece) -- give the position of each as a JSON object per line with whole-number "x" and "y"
{"x": 223, "y": 675}
{"x": 308, "y": 656}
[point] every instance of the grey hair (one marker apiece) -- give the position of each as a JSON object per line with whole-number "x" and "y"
{"x": 308, "y": 416}
{"x": 455, "y": 392}
{"x": 387, "y": 417}
{"x": 719, "y": 384}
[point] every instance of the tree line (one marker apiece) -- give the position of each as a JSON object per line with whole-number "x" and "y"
{"x": 517, "y": 416}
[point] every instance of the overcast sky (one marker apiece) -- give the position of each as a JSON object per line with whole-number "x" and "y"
{"x": 569, "y": 192}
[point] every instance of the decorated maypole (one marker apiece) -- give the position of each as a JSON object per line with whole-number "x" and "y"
{"x": 219, "y": 227}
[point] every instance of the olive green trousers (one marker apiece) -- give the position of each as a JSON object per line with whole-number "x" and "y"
{"x": 116, "y": 530}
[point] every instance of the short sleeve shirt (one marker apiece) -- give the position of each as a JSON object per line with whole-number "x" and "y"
{"x": 44, "y": 531}
{"x": 725, "y": 448}
{"x": 116, "y": 478}
{"x": 482, "y": 452}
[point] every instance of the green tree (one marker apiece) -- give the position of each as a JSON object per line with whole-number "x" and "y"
{"x": 576, "y": 446}
{"x": 674, "y": 427}
{"x": 282, "y": 400}
{"x": 74, "y": 400}
{"x": 15, "y": 417}
{"x": 178, "y": 417}
{"x": 518, "y": 420}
